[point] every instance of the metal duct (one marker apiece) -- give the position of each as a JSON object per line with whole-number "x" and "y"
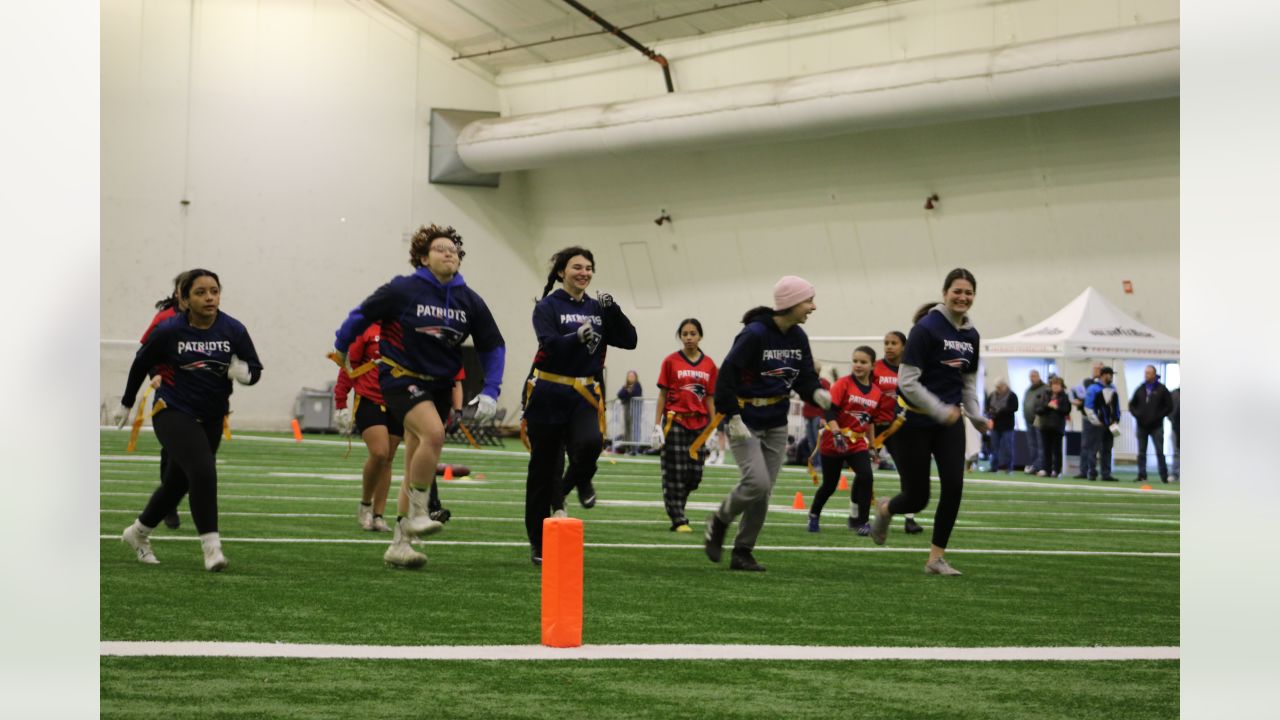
{"x": 1126, "y": 65}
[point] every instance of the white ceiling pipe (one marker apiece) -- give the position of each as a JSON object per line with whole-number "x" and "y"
{"x": 1126, "y": 65}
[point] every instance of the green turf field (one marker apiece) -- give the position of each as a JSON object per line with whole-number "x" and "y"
{"x": 1047, "y": 563}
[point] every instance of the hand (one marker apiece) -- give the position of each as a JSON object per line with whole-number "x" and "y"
{"x": 982, "y": 425}
{"x": 485, "y": 408}
{"x": 605, "y": 300}
{"x": 155, "y": 383}
{"x": 822, "y": 398}
{"x": 737, "y": 429}
{"x": 953, "y": 415}
{"x": 658, "y": 437}
{"x": 455, "y": 420}
{"x": 343, "y": 419}
{"x": 120, "y": 416}
{"x": 587, "y": 334}
{"x": 238, "y": 370}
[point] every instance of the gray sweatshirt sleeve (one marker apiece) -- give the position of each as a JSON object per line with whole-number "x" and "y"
{"x": 969, "y": 397}
{"x": 918, "y": 397}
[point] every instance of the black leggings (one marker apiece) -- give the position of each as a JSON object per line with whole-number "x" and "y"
{"x": 191, "y": 446}
{"x": 860, "y": 463}
{"x": 1051, "y": 442}
{"x": 915, "y": 447}
{"x": 548, "y": 481}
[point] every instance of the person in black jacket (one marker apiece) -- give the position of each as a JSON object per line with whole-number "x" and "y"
{"x": 1052, "y": 410}
{"x": 1002, "y": 408}
{"x": 1176, "y": 397}
{"x": 1150, "y": 404}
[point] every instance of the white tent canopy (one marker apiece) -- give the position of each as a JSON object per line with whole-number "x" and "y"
{"x": 1088, "y": 327}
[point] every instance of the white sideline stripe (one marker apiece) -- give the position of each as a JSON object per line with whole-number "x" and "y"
{"x": 631, "y": 652}
{"x": 666, "y": 546}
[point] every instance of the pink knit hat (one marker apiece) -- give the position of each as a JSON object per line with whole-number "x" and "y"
{"x": 791, "y": 291}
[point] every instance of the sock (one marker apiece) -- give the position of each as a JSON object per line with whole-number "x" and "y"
{"x": 210, "y": 540}
{"x": 910, "y": 516}
{"x": 367, "y": 504}
{"x": 141, "y": 529}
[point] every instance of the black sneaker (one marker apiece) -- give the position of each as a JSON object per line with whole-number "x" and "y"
{"x": 742, "y": 560}
{"x": 536, "y": 558}
{"x": 441, "y": 516}
{"x": 714, "y": 538}
{"x": 911, "y": 527}
{"x": 857, "y": 522}
{"x": 1109, "y": 478}
{"x": 587, "y": 495}
{"x": 171, "y": 520}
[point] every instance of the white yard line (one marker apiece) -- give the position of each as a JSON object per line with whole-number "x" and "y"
{"x": 664, "y": 546}
{"x": 631, "y": 652}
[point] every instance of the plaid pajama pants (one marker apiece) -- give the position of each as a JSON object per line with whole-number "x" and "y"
{"x": 681, "y": 474}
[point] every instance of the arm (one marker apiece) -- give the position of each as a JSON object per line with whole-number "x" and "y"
{"x": 381, "y": 305}
{"x": 911, "y": 390}
{"x": 741, "y": 356}
{"x": 618, "y": 330}
{"x": 662, "y": 404}
{"x": 491, "y": 348}
{"x": 146, "y": 358}
{"x": 242, "y": 348}
{"x": 969, "y": 402}
{"x": 839, "y": 393}
{"x": 547, "y": 329}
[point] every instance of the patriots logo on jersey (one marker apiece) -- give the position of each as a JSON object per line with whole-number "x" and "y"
{"x": 443, "y": 333}
{"x": 957, "y": 363}
{"x": 698, "y": 390}
{"x": 213, "y": 366}
{"x": 787, "y": 374}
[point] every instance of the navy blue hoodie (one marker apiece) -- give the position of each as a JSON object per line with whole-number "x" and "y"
{"x": 424, "y": 322}
{"x": 765, "y": 362}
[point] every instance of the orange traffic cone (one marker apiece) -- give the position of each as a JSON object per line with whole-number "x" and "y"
{"x": 448, "y": 472}
{"x": 1145, "y": 487}
{"x": 799, "y": 502}
{"x": 297, "y": 431}
{"x": 844, "y": 484}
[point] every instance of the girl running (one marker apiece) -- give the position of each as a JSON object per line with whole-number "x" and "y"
{"x": 686, "y": 382}
{"x": 197, "y": 354}
{"x": 886, "y": 378}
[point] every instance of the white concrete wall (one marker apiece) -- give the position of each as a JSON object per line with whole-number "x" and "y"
{"x": 1038, "y": 207}
{"x": 873, "y": 34}
{"x": 298, "y": 132}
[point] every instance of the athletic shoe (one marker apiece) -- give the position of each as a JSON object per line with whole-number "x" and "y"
{"x": 214, "y": 560}
{"x": 682, "y": 527}
{"x": 1164, "y": 480}
{"x": 587, "y": 495}
{"x": 402, "y": 555}
{"x": 560, "y": 514}
{"x": 140, "y": 543}
{"x": 713, "y": 540}
{"x": 742, "y": 560}
{"x": 441, "y": 516}
{"x": 813, "y": 523}
{"x": 420, "y": 526}
{"x": 172, "y": 521}
{"x": 856, "y": 522}
{"x": 1137, "y": 479}
{"x": 379, "y": 524}
{"x": 940, "y": 567}
{"x": 536, "y": 558}
{"x": 1081, "y": 476}
{"x": 1042, "y": 474}
{"x": 364, "y": 513}
{"x": 864, "y": 529}
{"x": 911, "y": 527}
{"x": 880, "y": 527}
{"x": 1109, "y": 478}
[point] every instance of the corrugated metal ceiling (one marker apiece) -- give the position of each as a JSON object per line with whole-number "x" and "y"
{"x": 478, "y": 26}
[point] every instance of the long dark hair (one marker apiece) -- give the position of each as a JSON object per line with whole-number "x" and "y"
{"x": 959, "y": 274}
{"x": 560, "y": 261}
{"x": 689, "y": 321}
{"x": 902, "y": 338}
{"x": 190, "y": 277}
{"x": 922, "y": 311}
{"x": 757, "y": 311}
{"x": 868, "y": 350}
{"x": 172, "y": 299}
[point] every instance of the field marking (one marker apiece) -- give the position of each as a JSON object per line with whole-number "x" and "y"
{"x": 665, "y": 546}
{"x": 113, "y": 648}
{"x": 924, "y": 520}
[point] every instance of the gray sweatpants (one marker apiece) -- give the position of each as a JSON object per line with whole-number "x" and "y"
{"x": 759, "y": 460}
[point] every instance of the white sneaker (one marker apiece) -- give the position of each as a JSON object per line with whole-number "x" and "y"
{"x": 940, "y": 567}
{"x": 401, "y": 554}
{"x": 419, "y": 522}
{"x": 378, "y": 524}
{"x": 1042, "y": 474}
{"x": 365, "y": 515}
{"x": 140, "y": 543}
{"x": 560, "y": 514}
{"x": 214, "y": 560}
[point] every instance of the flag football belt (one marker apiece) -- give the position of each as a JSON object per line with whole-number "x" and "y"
{"x": 672, "y": 416}
{"x": 136, "y": 430}
{"x": 355, "y": 372}
{"x": 398, "y": 370}
{"x": 846, "y": 432}
{"x": 701, "y": 440}
{"x": 761, "y": 401}
{"x": 585, "y": 386}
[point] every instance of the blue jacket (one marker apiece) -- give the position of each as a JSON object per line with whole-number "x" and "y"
{"x": 1102, "y": 403}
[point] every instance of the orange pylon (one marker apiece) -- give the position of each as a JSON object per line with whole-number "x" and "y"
{"x": 799, "y": 501}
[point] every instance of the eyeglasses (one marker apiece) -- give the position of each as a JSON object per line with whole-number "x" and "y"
{"x": 448, "y": 250}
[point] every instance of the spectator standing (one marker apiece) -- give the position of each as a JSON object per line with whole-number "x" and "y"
{"x": 1052, "y": 410}
{"x": 628, "y": 392}
{"x": 1102, "y": 415}
{"x": 1150, "y": 405}
{"x": 1002, "y": 407}
{"x": 1175, "y": 398}
{"x": 1031, "y": 401}
{"x": 1088, "y": 439}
